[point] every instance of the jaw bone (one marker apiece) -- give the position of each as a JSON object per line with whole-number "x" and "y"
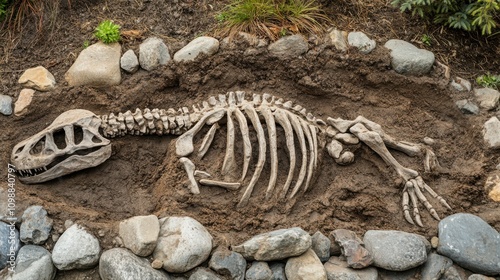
{"x": 41, "y": 158}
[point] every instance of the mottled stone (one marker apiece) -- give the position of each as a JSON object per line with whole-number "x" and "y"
{"x": 76, "y": 249}
{"x": 140, "y": 234}
{"x": 152, "y": 53}
{"x": 289, "y": 47}
{"x": 98, "y": 65}
{"x": 129, "y": 62}
{"x": 278, "y": 270}
{"x": 120, "y": 263}
{"x": 5, "y": 105}
{"x": 338, "y": 269}
{"x": 38, "y": 78}
{"x": 9, "y": 244}
{"x": 470, "y": 242}
{"x": 467, "y": 107}
{"x": 183, "y": 244}
{"x": 305, "y": 267}
{"x": 23, "y": 101}
{"x": 460, "y": 84}
{"x": 259, "y": 271}
{"x": 408, "y": 59}
{"x": 487, "y": 98}
{"x": 201, "y": 45}
{"x": 453, "y": 273}
{"x": 34, "y": 263}
{"x": 321, "y": 246}
{"x": 228, "y": 263}
{"x": 435, "y": 266}
{"x": 275, "y": 245}
{"x": 36, "y": 225}
{"x": 492, "y": 186}
{"x": 479, "y": 277}
{"x": 396, "y": 250}
{"x": 338, "y": 39}
{"x": 359, "y": 40}
{"x": 202, "y": 273}
{"x": 352, "y": 248}
{"x": 491, "y": 133}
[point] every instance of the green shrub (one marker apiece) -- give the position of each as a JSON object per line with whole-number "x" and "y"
{"x": 107, "y": 32}
{"x": 489, "y": 80}
{"x": 271, "y": 18}
{"x": 3, "y": 9}
{"x": 461, "y": 14}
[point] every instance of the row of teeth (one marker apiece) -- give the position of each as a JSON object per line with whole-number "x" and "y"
{"x": 31, "y": 172}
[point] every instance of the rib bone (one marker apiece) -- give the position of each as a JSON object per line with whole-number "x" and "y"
{"x": 247, "y": 146}
{"x": 207, "y": 140}
{"x": 213, "y": 183}
{"x": 229, "y": 160}
{"x": 273, "y": 147}
{"x": 282, "y": 119}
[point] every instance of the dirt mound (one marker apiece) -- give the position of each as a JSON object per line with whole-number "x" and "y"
{"x": 143, "y": 176}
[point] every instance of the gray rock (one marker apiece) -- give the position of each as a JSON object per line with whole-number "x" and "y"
{"x": 120, "y": 263}
{"x": 452, "y": 273}
{"x": 289, "y": 47}
{"x": 5, "y": 104}
{"x": 460, "y": 84}
{"x": 202, "y": 273}
{"x": 408, "y": 59}
{"x": 98, "y": 65}
{"x": 470, "y": 242}
{"x": 183, "y": 244}
{"x": 204, "y": 44}
{"x": 259, "y": 271}
{"x": 140, "y": 234}
{"x": 34, "y": 263}
{"x": 338, "y": 39}
{"x": 479, "y": 277}
{"x": 38, "y": 78}
{"x": 396, "y": 250}
{"x": 491, "y": 133}
{"x": 36, "y": 225}
{"x": 467, "y": 107}
{"x": 305, "y": 267}
{"x": 76, "y": 249}
{"x": 487, "y": 98}
{"x": 129, "y": 62}
{"x": 228, "y": 263}
{"x": 435, "y": 266}
{"x": 321, "y": 246}
{"x": 153, "y": 53}
{"x": 275, "y": 245}
{"x": 337, "y": 268}
{"x": 278, "y": 270}
{"x": 9, "y": 244}
{"x": 359, "y": 40}
{"x": 352, "y": 248}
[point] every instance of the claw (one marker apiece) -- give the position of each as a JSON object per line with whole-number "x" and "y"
{"x": 406, "y": 207}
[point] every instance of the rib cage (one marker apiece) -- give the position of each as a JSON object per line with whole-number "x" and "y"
{"x": 294, "y": 120}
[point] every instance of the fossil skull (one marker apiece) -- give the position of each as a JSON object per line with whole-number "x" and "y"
{"x": 71, "y": 143}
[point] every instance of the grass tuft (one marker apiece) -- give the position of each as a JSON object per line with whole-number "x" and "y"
{"x": 271, "y": 18}
{"x": 489, "y": 80}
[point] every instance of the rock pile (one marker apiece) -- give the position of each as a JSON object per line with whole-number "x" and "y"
{"x": 181, "y": 248}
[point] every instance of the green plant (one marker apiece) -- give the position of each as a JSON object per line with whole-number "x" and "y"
{"x": 86, "y": 44}
{"x": 270, "y": 17}
{"x": 426, "y": 40}
{"x": 107, "y": 32}
{"x": 467, "y": 15}
{"x": 3, "y": 9}
{"x": 489, "y": 80}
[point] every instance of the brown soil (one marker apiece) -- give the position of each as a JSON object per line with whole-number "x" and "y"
{"x": 143, "y": 175}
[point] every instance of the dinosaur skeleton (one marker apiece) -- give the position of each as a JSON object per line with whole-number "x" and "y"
{"x": 77, "y": 140}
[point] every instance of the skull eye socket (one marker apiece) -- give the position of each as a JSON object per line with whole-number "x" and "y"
{"x": 96, "y": 140}
{"x": 60, "y": 139}
{"x": 37, "y": 149}
{"x": 78, "y": 134}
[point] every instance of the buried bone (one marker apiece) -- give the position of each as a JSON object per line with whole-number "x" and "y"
{"x": 257, "y": 119}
